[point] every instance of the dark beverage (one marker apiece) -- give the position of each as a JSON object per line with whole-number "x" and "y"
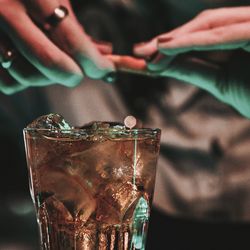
{"x": 92, "y": 188}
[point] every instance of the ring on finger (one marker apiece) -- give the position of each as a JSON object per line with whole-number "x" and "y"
{"x": 7, "y": 58}
{"x": 56, "y": 17}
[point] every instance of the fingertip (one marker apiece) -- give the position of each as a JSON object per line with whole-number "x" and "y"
{"x": 73, "y": 81}
{"x": 145, "y": 49}
{"x": 139, "y": 50}
{"x": 138, "y": 46}
{"x": 94, "y": 72}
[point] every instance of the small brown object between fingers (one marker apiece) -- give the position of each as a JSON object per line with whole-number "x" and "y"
{"x": 130, "y": 64}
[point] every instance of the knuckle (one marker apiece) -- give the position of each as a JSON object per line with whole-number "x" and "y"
{"x": 204, "y": 14}
{"x": 206, "y": 19}
{"x": 219, "y": 32}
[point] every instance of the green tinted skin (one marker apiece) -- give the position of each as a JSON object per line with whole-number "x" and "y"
{"x": 223, "y": 30}
{"x": 230, "y": 85}
{"x": 35, "y": 52}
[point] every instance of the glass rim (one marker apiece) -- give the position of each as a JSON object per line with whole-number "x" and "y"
{"x": 135, "y": 131}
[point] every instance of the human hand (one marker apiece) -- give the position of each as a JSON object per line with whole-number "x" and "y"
{"x": 212, "y": 30}
{"x": 46, "y": 52}
{"x": 222, "y": 28}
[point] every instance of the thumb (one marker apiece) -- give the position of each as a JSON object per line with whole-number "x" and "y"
{"x": 146, "y": 49}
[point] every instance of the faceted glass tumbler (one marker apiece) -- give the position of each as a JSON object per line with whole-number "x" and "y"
{"x": 92, "y": 189}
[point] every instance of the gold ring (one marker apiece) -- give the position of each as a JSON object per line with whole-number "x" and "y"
{"x": 7, "y": 58}
{"x": 56, "y": 17}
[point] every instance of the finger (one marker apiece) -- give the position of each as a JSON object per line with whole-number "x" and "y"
{"x": 103, "y": 46}
{"x": 18, "y": 67}
{"x": 210, "y": 19}
{"x": 104, "y": 49}
{"x": 38, "y": 49}
{"x": 128, "y": 63}
{"x": 8, "y": 85}
{"x": 70, "y": 37}
{"x": 159, "y": 63}
{"x": 123, "y": 62}
{"x": 26, "y": 74}
{"x": 131, "y": 65}
{"x": 146, "y": 49}
{"x": 228, "y": 37}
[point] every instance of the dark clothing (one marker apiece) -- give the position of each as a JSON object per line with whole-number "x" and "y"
{"x": 176, "y": 233}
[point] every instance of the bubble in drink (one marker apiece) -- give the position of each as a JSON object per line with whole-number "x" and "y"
{"x": 92, "y": 186}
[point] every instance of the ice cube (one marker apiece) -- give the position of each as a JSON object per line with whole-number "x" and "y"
{"x": 92, "y": 166}
{"x": 69, "y": 190}
{"x": 103, "y": 125}
{"x": 114, "y": 201}
{"x": 101, "y": 163}
{"x": 51, "y": 121}
{"x": 102, "y": 130}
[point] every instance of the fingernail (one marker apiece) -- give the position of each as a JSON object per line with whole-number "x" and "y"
{"x": 102, "y": 42}
{"x": 110, "y": 77}
{"x": 137, "y": 45}
{"x": 164, "y": 39}
{"x": 154, "y": 58}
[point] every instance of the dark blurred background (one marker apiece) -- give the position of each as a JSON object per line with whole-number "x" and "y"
{"x": 123, "y": 23}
